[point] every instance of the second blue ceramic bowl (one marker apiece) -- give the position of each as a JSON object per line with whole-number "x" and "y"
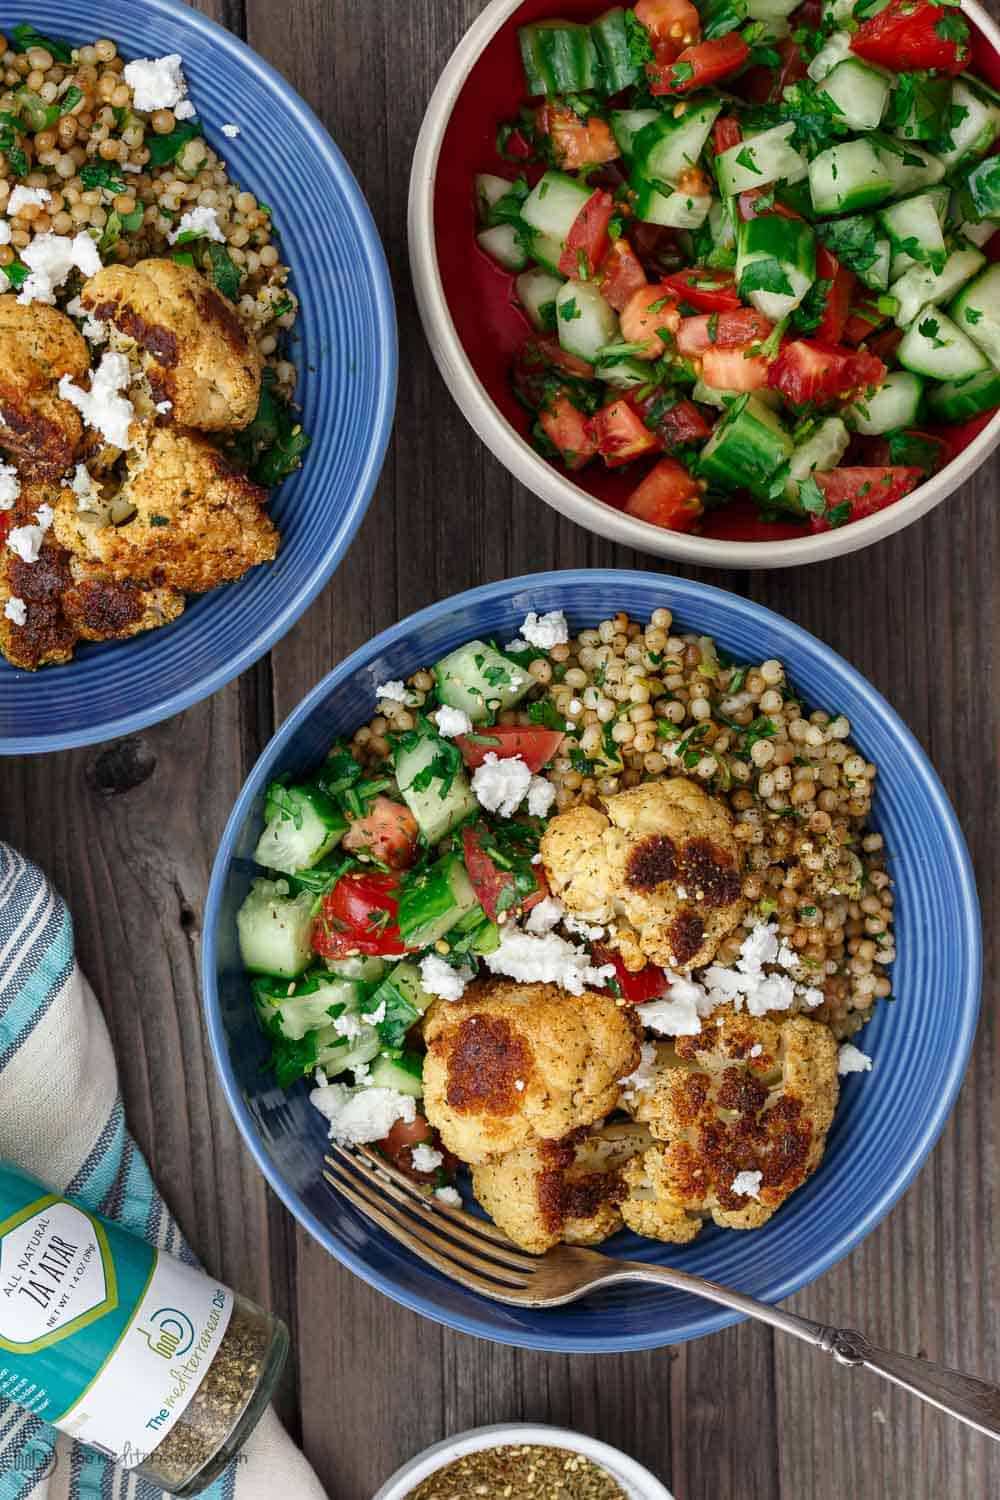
{"x": 887, "y": 1120}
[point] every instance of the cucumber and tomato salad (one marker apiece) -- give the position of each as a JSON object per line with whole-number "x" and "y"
{"x": 750, "y": 239}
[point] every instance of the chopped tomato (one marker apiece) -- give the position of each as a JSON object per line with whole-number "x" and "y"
{"x": 622, "y": 275}
{"x": 698, "y": 66}
{"x": 807, "y": 370}
{"x": 5, "y": 525}
{"x": 926, "y": 451}
{"x": 656, "y": 246}
{"x": 359, "y": 916}
{"x": 669, "y": 22}
{"x": 959, "y": 436}
{"x": 536, "y": 747}
{"x": 734, "y": 369}
{"x": 885, "y": 343}
{"x": 587, "y": 242}
{"x": 650, "y": 312}
{"x": 668, "y": 497}
{"x": 638, "y": 987}
{"x": 388, "y": 832}
{"x": 518, "y": 147}
{"x": 914, "y": 34}
{"x": 620, "y": 433}
{"x": 568, "y": 429}
{"x": 576, "y": 143}
{"x": 707, "y": 291}
{"x": 673, "y": 425}
{"x": 838, "y": 298}
{"x": 725, "y": 133}
{"x": 727, "y": 330}
{"x": 985, "y": 59}
{"x": 764, "y": 84}
{"x": 497, "y": 888}
{"x": 863, "y": 319}
{"x": 536, "y": 361}
{"x": 404, "y": 1136}
{"x": 746, "y": 205}
{"x": 852, "y": 494}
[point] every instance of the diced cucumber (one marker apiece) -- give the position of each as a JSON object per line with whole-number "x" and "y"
{"x": 920, "y": 285}
{"x": 622, "y": 371}
{"x": 503, "y": 245}
{"x": 876, "y": 275}
{"x": 934, "y": 346}
{"x": 859, "y": 93}
{"x": 275, "y": 929}
{"x": 848, "y": 176}
{"x": 768, "y": 157}
{"x": 972, "y": 133}
{"x": 708, "y": 395}
{"x": 674, "y": 210}
{"x": 358, "y": 966}
{"x": 722, "y": 224}
{"x": 480, "y": 680}
{"x": 979, "y": 194}
{"x": 302, "y": 826}
{"x": 838, "y": 11}
{"x": 834, "y": 50}
{"x": 746, "y": 449}
{"x": 770, "y": 10}
{"x": 976, "y": 310}
{"x": 336, "y": 1053}
{"x": 537, "y": 291}
{"x": 625, "y": 126}
{"x": 547, "y": 251}
{"x": 909, "y": 167}
{"x": 670, "y": 145}
{"x": 783, "y": 251}
{"x": 404, "y": 1074}
{"x": 920, "y": 112}
{"x": 553, "y": 204}
{"x": 489, "y": 191}
{"x": 433, "y": 786}
{"x": 960, "y": 400}
{"x": 981, "y": 233}
{"x": 299, "y": 1005}
{"x": 896, "y": 403}
{"x": 559, "y": 57}
{"x": 431, "y": 903}
{"x": 822, "y": 450}
{"x": 611, "y": 37}
{"x": 914, "y": 227}
{"x": 585, "y": 322}
{"x": 404, "y": 999}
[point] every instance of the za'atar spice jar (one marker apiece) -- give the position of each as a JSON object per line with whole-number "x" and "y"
{"x": 144, "y": 1358}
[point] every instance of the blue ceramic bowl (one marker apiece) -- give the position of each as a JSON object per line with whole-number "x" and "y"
{"x": 887, "y": 1120}
{"x": 345, "y": 351}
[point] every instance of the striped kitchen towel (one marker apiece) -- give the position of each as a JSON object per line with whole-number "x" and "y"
{"x": 61, "y": 1120}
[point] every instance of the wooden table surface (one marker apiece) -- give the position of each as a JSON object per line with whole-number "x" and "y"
{"x": 128, "y": 830}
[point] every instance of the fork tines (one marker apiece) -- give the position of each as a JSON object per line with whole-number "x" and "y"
{"x": 471, "y": 1250}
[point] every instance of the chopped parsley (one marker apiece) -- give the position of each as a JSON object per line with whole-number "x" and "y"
{"x": 765, "y": 275}
{"x": 23, "y": 37}
{"x": 811, "y": 497}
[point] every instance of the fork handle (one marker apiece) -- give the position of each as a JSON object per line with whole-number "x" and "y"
{"x": 973, "y": 1401}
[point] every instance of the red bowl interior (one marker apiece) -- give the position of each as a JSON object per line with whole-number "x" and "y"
{"x": 480, "y": 296}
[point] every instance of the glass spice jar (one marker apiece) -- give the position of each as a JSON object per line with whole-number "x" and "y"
{"x": 146, "y": 1359}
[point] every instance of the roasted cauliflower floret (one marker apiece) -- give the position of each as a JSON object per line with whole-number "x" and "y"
{"x": 561, "y": 1191}
{"x": 511, "y": 1064}
{"x": 197, "y": 521}
{"x": 38, "y": 345}
{"x": 100, "y": 608}
{"x": 194, "y": 350}
{"x": 660, "y": 866}
{"x": 742, "y": 1128}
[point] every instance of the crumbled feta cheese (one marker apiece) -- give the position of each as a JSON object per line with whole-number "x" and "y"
{"x": 88, "y": 496}
{"x": 198, "y": 223}
{"x": 374, "y": 1017}
{"x": 747, "y": 1184}
{"x": 440, "y": 979}
{"x": 547, "y": 959}
{"x": 163, "y": 407}
{"x": 393, "y": 692}
{"x": 349, "y": 1025}
{"x": 516, "y": 646}
{"x": 45, "y": 515}
{"x": 583, "y": 929}
{"x": 424, "y": 1158}
{"x": 748, "y": 984}
{"x": 26, "y": 541}
{"x": 5, "y": 232}
{"x": 756, "y": 1050}
{"x": 519, "y": 1085}
{"x": 184, "y": 110}
{"x": 50, "y": 258}
{"x": 548, "y": 913}
{"x": 362, "y": 1075}
{"x": 26, "y": 197}
{"x": 93, "y": 330}
{"x": 787, "y": 956}
{"x": 851, "y": 1059}
{"x": 545, "y": 631}
{"x": 671, "y": 1016}
{"x": 644, "y": 1076}
{"x": 452, "y": 721}
{"x": 10, "y": 486}
{"x": 15, "y": 610}
{"x": 156, "y": 82}
{"x": 811, "y": 995}
{"x": 358, "y": 1116}
{"x": 231, "y": 130}
{"x": 102, "y": 408}
{"x": 541, "y": 795}
{"x": 4, "y": 282}
{"x": 448, "y": 1195}
{"x": 501, "y": 785}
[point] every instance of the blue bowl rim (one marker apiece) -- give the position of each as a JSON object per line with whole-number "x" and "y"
{"x": 327, "y": 150}
{"x": 685, "y": 592}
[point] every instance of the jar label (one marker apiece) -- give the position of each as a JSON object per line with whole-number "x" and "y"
{"x": 99, "y": 1333}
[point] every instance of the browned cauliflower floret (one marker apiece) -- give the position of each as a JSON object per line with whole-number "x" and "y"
{"x": 727, "y": 1112}
{"x": 38, "y": 345}
{"x": 197, "y": 523}
{"x": 560, "y": 1191}
{"x": 194, "y": 350}
{"x": 100, "y": 608}
{"x": 511, "y": 1064}
{"x": 660, "y": 866}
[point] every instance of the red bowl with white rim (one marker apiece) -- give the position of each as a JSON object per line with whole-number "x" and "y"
{"x": 474, "y": 326}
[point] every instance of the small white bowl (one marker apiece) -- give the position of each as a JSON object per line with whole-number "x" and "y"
{"x": 517, "y": 455}
{"x": 637, "y": 1482}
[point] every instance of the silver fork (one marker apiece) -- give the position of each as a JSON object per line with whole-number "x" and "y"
{"x": 476, "y": 1254}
